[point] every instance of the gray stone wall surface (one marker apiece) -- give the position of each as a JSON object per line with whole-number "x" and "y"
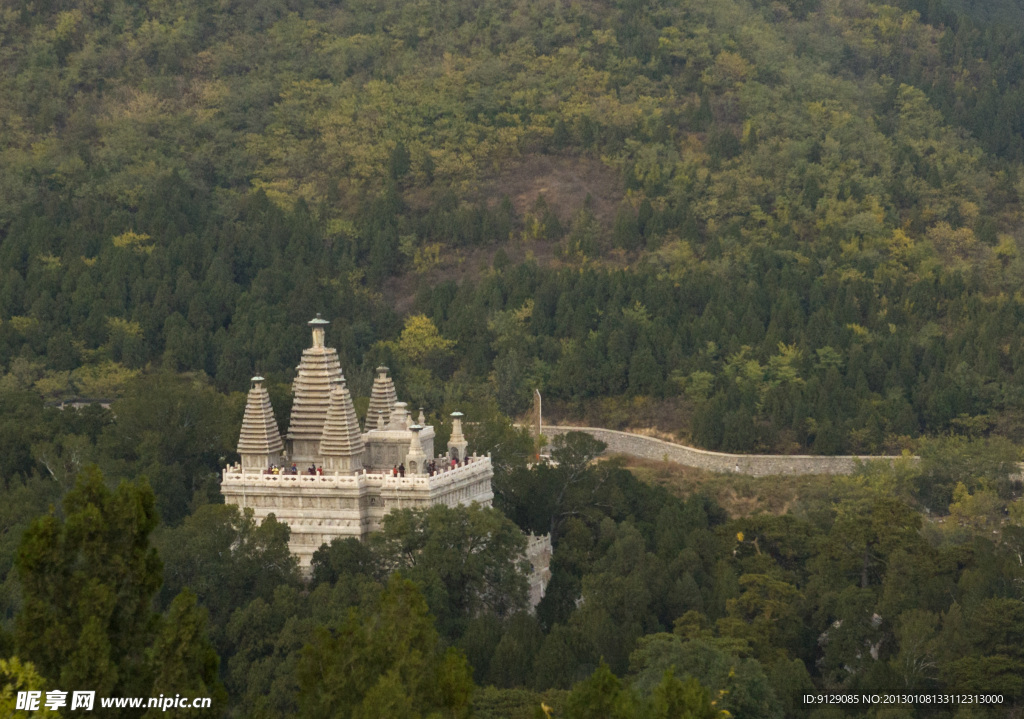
{"x": 538, "y": 554}
{"x": 755, "y": 465}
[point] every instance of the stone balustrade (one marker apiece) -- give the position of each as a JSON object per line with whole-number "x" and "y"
{"x": 236, "y": 473}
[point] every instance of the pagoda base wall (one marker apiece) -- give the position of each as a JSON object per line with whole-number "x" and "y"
{"x": 303, "y": 450}
{"x": 321, "y": 508}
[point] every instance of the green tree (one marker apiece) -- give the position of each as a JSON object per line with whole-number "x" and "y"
{"x": 490, "y": 431}
{"x": 266, "y": 638}
{"x": 541, "y": 499}
{"x": 512, "y": 662}
{"x": 176, "y": 430}
{"x": 626, "y": 232}
{"x": 766, "y": 614}
{"x": 738, "y": 685}
{"x": 681, "y": 698}
{"x": 979, "y": 464}
{"x": 342, "y": 557}
{"x": 864, "y": 537}
{"x": 222, "y": 555}
{"x": 185, "y": 662}
{"x": 601, "y": 696}
{"x": 420, "y": 344}
{"x": 23, "y": 503}
{"x": 383, "y": 660}
{"x": 17, "y": 676}
{"x": 619, "y": 596}
{"x": 466, "y": 559}
{"x": 88, "y": 583}
{"x": 995, "y": 650}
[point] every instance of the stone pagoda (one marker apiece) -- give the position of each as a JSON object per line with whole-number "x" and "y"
{"x": 327, "y": 477}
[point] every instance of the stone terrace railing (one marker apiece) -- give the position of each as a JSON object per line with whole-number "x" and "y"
{"x": 443, "y": 476}
{"x": 469, "y": 468}
{"x": 328, "y": 479}
{"x": 755, "y": 465}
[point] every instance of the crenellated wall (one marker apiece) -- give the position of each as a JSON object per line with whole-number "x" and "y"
{"x": 755, "y": 465}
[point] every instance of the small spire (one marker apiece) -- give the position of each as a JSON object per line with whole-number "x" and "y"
{"x": 341, "y": 443}
{"x": 382, "y": 396}
{"x": 416, "y": 459}
{"x": 457, "y": 444}
{"x": 260, "y": 434}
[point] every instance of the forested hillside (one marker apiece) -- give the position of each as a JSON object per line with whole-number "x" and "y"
{"x": 772, "y": 226}
{"x": 797, "y": 224}
{"x": 658, "y": 606}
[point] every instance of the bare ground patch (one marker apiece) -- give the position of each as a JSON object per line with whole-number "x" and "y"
{"x": 564, "y": 181}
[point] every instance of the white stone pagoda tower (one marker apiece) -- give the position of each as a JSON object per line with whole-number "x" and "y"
{"x": 382, "y": 400}
{"x": 344, "y": 479}
{"x": 260, "y": 442}
{"x": 317, "y": 370}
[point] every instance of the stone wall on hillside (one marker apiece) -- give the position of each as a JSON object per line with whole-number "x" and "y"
{"x": 538, "y": 554}
{"x": 755, "y": 465}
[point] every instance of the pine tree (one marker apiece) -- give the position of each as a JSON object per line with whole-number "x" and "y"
{"x": 88, "y": 584}
{"x": 601, "y": 696}
{"x": 626, "y": 231}
{"x": 384, "y": 661}
{"x": 88, "y": 581}
{"x": 184, "y": 661}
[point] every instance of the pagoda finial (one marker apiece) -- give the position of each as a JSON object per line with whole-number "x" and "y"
{"x": 318, "y": 324}
{"x": 457, "y": 444}
{"x": 415, "y": 459}
{"x": 399, "y": 416}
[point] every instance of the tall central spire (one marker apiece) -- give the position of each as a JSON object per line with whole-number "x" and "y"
{"x": 312, "y": 391}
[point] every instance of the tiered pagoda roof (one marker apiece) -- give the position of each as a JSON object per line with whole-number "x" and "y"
{"x": 341, "y": 436}
{"x": 382, "y": 398}
{"x": 260, "y": 434}
{"x": 312, "y": 386}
